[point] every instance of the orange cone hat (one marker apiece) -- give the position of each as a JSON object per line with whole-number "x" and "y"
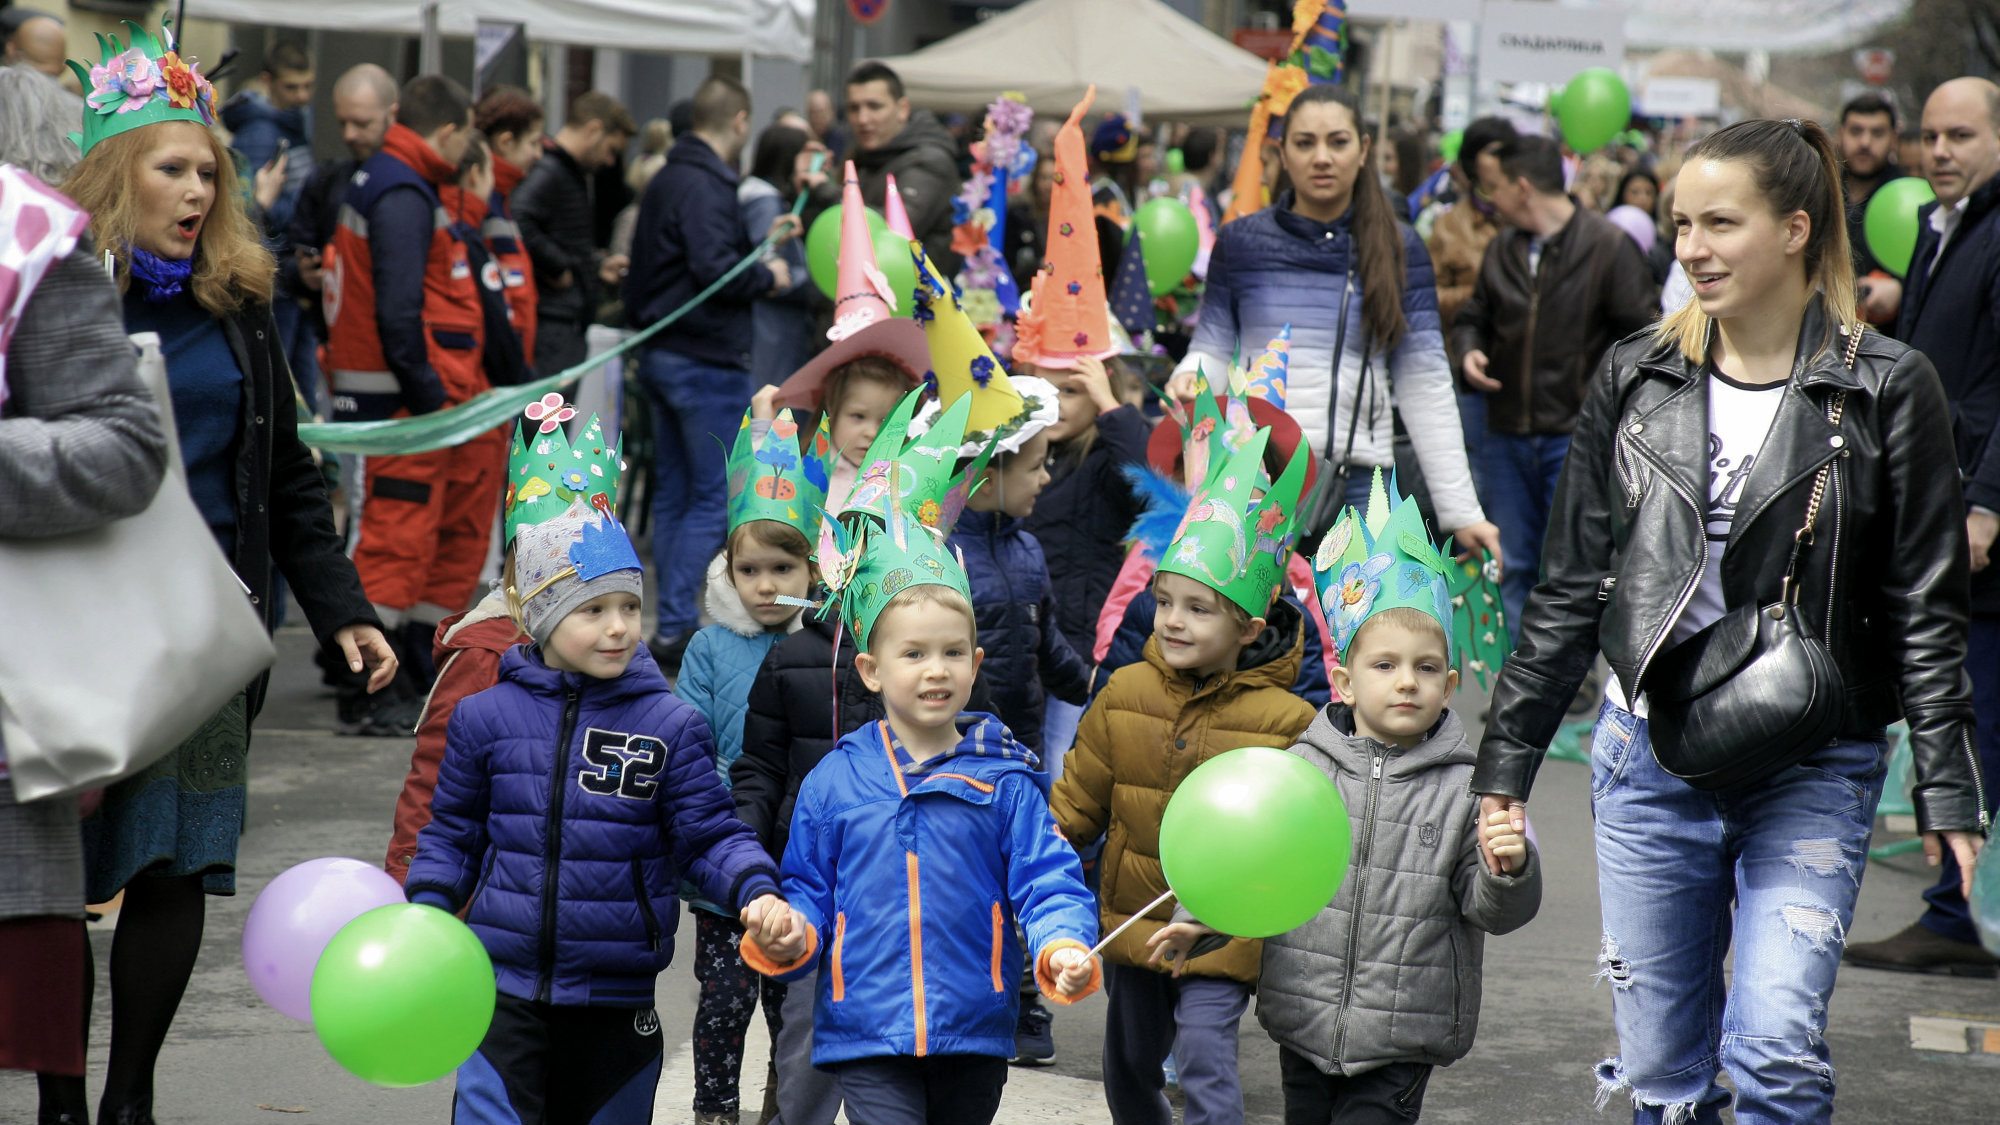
{"x": 865, "y": 320}
{"x": 1068, "y": 315}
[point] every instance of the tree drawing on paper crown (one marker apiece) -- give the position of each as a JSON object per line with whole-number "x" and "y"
{"x": 781, "y": 458}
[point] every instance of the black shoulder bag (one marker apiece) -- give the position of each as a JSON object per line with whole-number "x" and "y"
{"x": 1753, "y": 693}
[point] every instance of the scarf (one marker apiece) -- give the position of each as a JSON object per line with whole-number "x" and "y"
{"x": 44, "y": 226}
{"x": 403, "y": 143}
{"x": 164, "y": 278}
{"x": 506, "y": 176}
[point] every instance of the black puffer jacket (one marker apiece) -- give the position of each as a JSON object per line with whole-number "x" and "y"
{"x": 553, "y": 208}
{"x": 1082, "y": 520}
{"x": 1883, "y": 581}
{"x": 790, "y": 724}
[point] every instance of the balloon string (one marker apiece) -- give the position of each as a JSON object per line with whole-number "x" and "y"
{"x": 1127, "y": 923}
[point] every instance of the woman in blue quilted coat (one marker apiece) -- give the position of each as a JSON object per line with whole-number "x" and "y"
{"x": 1331, "y": 258}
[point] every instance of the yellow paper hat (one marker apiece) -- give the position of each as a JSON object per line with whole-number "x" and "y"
{"x": 1005, "y": 409}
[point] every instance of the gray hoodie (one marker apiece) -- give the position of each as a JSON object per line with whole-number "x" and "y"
{"x": 1389, "y": 971}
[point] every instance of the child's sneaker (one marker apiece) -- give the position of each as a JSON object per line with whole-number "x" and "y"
{"x": 1034, "y": 1036}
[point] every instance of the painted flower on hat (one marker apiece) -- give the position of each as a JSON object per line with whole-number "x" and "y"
{"x": 1355, "y": 596}
{"x": 575, "y": 481}
{"x": 181, "y": 81}
{"x": 137, "y": 75}
{"x": 928, "y": 513}
{"x": 550, "y": 411}
{"x": 982, "y": 369}
{"x": 1081, "y": 339}
{"x": 1065, "y": 230}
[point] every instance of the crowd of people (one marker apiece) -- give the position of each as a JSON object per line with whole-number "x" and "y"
{"x": 942, "y": 617}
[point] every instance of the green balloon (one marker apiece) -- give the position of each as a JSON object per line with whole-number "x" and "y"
{"x": 897, "y": 263}
{"x": 1255, "y": 842}
{"x": 823, "y": 246}
{"x": 1593, "y": 108}
{"x": 402, "y": 995}
{"x": 1171, "y": 240}
{"x": 1890, "y": 222}
{"x": 1176, "y": 162}
{"x": 1449, "y": 144}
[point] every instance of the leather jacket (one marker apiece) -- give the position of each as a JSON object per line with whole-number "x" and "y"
{"x": 1884, "y": 579}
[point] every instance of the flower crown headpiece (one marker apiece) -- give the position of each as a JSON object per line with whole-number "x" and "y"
{"x": 142, "y": 84}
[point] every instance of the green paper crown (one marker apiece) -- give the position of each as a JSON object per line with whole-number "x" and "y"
{"x": 1384, "y": 560}
{"x": 769, "y": 479}
{"x": 1479, "y": 619}
{"x": 916, "y": 473}
{"x": 545, "y": 472}
{"x": 865, "y": 564}
{"x": 143, "y": 84}
{"x": 1234, "y": 540}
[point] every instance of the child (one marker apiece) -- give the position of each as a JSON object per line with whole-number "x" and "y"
{"x": 1217, "y": 675}
{"x": 915, "y": 847}
{"x": 634, "y": 804}
{"x": 1383, "y": 985}
{"x": 806, "y": 696}
{"x": 772, "y": 493}
{"x": 1012, "y": 596}
{"x": 874, "y": 358}
{"x": 1065, "y": 336}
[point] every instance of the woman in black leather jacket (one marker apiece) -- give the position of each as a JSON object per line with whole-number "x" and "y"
{"x": 1687, "y": 479}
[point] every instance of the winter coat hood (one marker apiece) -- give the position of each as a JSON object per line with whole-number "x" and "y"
{"x": 725, "y": 605}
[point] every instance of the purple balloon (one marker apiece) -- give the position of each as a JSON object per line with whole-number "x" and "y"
{"x": 1638, "y": 225}
{"x": 296, "y": 915}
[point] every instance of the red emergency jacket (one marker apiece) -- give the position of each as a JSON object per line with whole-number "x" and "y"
{"x": 377, "y": 368}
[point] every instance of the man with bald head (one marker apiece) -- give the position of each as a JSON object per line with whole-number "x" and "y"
{"x": 37, "y": 43}
{"x": 1951, "y": 313}
{"x": 364, "y": 102}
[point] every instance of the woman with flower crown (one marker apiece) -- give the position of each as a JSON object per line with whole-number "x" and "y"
{"x": 167, "y": 214}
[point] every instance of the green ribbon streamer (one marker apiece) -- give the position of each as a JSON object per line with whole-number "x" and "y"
{"x": 459, "y": 424}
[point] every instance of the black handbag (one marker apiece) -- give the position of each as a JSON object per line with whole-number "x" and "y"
{"x": 1753, "y": 693}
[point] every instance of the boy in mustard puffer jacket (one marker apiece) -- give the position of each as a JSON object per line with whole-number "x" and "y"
{"x": 1217, "y": 675}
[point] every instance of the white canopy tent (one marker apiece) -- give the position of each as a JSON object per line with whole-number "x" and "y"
{"x": 772, "y": 28}
{"x": 1050, "y": 50}
{"x": 1772, "y": 26}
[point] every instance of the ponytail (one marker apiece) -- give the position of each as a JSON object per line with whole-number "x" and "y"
{"x": 1794, "y": 165}
{"x": 1378, "y": 238}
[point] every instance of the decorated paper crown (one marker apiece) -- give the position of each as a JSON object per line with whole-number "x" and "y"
{"x": 561, "y": 505}
{"x": 770, "y": 479}
{"x": 1214, "y": 428}
{"x": 1381, "y": 560}
{"x": 1005, "y": 412}
{"x": 1317, "y": 56}
{"x": 915, "y": 470}
{"x": 1233, "y": 539}
{"x": 142, "y": 84}
{"x": 1069, "y": 316}
{"x": 865, "y": 564}
{"x": 866, "y": 322}
{"x": 546, "y": 472}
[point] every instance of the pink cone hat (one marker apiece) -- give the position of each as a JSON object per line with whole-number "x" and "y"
{"x": 865, "y": 322}
{"x": 892, "y": 206}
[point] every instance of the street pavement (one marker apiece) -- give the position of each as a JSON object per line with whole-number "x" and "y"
{"x": 231, "y": 1060}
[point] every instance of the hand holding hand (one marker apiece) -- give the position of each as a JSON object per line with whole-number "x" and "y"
{"x": 364, "y": 646}
{"x": 774, "y": 927}
{"x": 1073, "y": 970}
{"x": 1500, "y": 841}
{"x": 1514, "y": 813}
{"x": 1171, "y": 942}
{"x": 1475, "y": 365}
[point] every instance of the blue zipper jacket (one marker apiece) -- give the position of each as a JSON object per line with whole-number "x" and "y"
{"x": 1015, "y": 605}
{"x": 575, "y": 880}
{"x": 912, "y": 877}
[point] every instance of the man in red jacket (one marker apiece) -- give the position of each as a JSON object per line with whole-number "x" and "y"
{"x": 405, "y": 336}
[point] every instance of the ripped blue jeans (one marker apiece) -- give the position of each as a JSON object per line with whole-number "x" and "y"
{"x": 1682, "y": 870}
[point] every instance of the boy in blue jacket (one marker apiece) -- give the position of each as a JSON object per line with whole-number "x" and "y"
{"x": 754, "y": 586}
{"x": 574, "y": 796}
{"x": 916, "y": 846}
